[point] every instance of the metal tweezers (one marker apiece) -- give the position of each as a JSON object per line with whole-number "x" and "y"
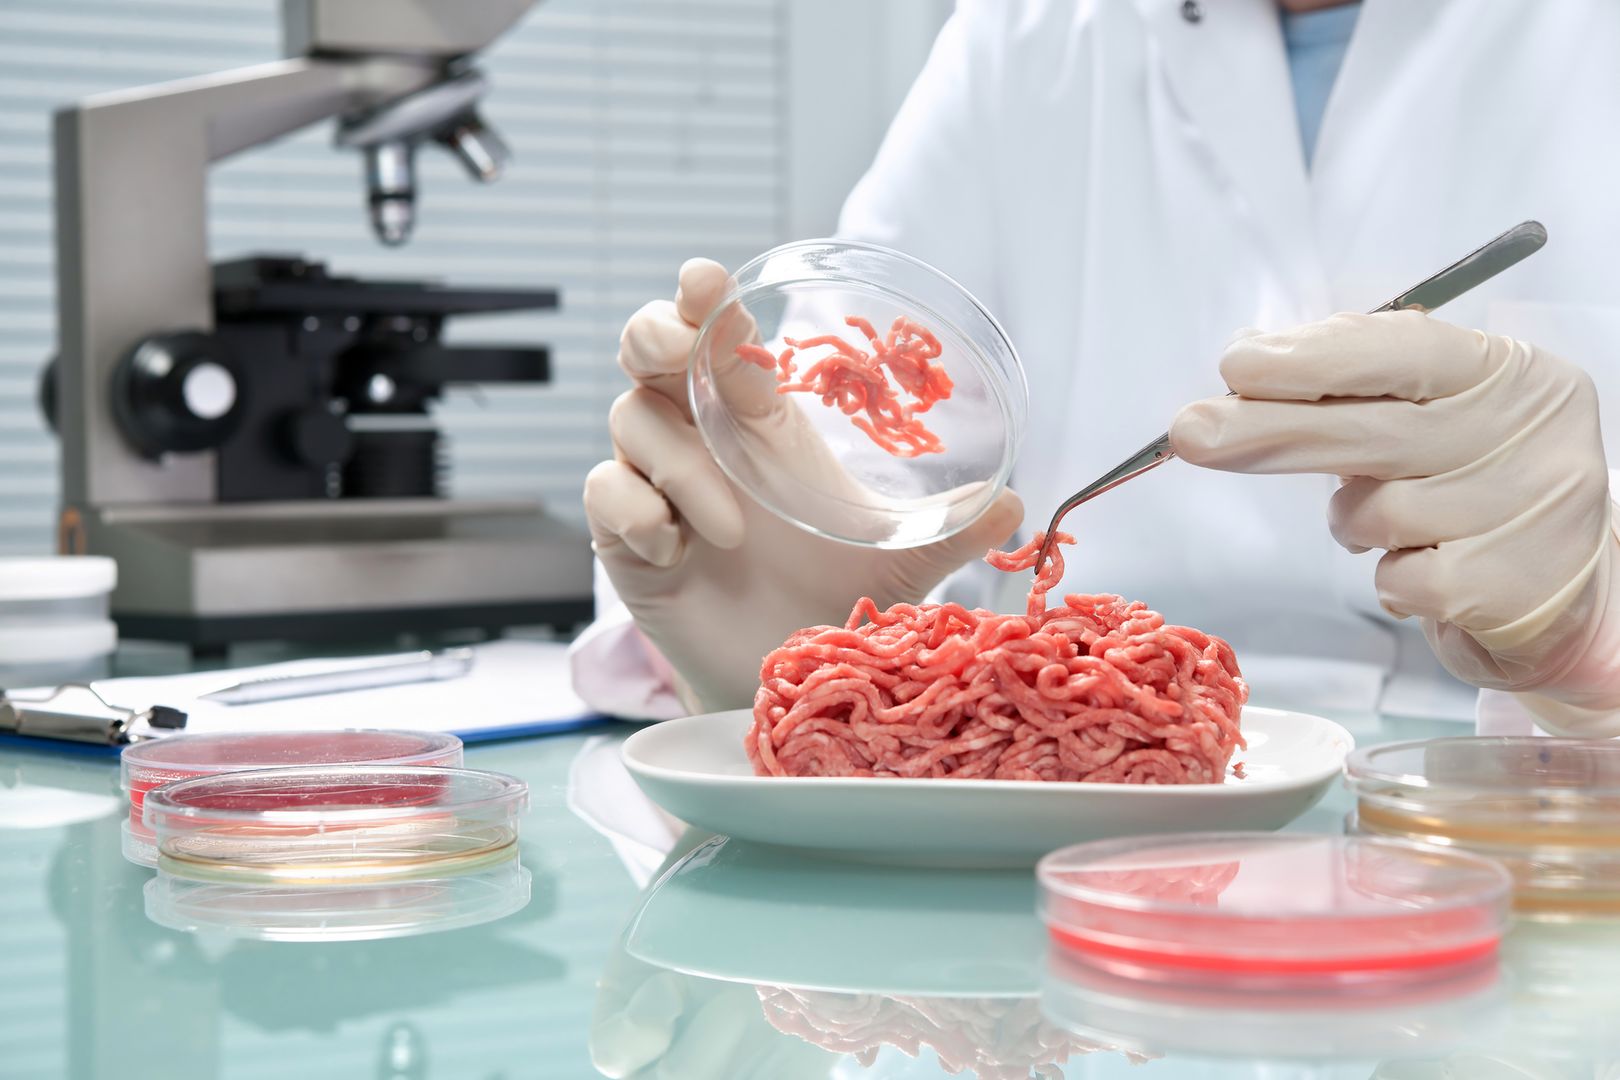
{"x": 1473, "y": 269}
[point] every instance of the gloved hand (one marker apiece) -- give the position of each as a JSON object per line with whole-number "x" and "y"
{"x": 1476, "y": 461}
{"x": 714, "y": 579}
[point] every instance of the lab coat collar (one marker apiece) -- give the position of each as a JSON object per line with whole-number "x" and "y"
{"x": 1227, "y": 73}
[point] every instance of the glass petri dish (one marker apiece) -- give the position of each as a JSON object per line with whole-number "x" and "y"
{"x": 806, "y": 460}
{"x": 335, "y": 824}
{"x": 155, "y": 762}
{"x": 350, "y": 912}
{"x": 1253, "y": 909}
{"x": 1547, "y": 809}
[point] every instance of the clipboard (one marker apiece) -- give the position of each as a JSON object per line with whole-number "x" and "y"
{"x": 514, "y": 689}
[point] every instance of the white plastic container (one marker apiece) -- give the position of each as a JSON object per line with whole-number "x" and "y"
{"x": 54, "y": 626}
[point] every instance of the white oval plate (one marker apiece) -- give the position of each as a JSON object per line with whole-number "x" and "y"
{"x": 696, "y": 769}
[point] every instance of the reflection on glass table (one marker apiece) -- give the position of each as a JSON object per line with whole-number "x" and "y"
{"x": 93, "y": 989}
{"x": 368, "y": 912}
{"x": 745, "y": 961}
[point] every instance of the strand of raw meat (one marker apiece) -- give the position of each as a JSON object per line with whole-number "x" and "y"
{"x": 855, "y": 382}
{"x": 996, "y": 1038}
{"x": 1047, "y": 577}
{"x": 1099, "y": 689}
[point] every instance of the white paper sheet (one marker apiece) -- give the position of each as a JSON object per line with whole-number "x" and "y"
{"x": 514, "y": 688}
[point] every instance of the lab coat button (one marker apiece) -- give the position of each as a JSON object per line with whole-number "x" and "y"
{"x": 1192, "y": 11}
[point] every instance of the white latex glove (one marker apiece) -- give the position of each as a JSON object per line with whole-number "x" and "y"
{"x": 714, "y": 579}
{"x": 1475, "y": 461}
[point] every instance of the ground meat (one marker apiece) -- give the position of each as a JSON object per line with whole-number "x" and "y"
{"x": 995, "y": 1038}
{"x": 856, "y": 383}
{"x": 1098, "y": 690}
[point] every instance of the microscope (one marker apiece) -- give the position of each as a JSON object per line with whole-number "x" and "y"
{"x": 252, "y": 441}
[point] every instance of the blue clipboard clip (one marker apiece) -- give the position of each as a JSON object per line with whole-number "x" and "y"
{"x": 76, "y": 713}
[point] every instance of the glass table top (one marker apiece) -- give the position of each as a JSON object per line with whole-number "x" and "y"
{"x": 649, "y": 951}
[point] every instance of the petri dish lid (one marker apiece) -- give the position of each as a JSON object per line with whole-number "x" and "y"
{"x": 804, "y": 458}
{"x": 63, "y": 577}
{"x": 1570, "y": 771}
{"x": 1272, "y": 906}
{"x": 334, "y": 824}
{"x": 157, "y": 761}
{"x": 365, "y": 912}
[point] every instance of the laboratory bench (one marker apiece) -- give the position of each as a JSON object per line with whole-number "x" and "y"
{"x": 646, "y": 952}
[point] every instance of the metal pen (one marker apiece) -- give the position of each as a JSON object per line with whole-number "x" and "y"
{"x": 422, "y": 667}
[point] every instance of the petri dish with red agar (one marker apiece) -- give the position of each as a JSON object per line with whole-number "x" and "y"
{"x": 155, "y": 762}
{"x": 332, "y": 825}
{"x": 1258, "y": 909}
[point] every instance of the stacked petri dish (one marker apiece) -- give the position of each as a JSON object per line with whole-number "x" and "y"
{"x": 819, "y": 453}
{"x": 322, "y": 835}
{"x": 336, "y": 852}
{"x": 147, "y": 765}
{"x": 1546, "y": 809}
{"x": 335, "y": 824}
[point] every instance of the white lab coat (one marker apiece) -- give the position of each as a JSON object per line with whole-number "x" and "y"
{"x": 1124, "y": 187}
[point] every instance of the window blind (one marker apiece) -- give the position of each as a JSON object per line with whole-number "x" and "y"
{"x": 642, "y": 132}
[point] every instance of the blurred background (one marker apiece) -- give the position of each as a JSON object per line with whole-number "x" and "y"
{"x": 643, "y": 133}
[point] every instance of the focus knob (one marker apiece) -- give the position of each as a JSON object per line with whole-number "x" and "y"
{"x": 316, "y": 438}
{"x": 177, "y": 393}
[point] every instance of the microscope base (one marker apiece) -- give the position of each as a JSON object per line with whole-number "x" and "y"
{"x": 351, "y": 570}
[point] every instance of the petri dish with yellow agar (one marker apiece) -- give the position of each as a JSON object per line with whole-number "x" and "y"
{"x": 1547, "y": 809}
{"x": 335, "y": 824}
{"x": 859, "y": 393}
{"x": 150, "y": 764}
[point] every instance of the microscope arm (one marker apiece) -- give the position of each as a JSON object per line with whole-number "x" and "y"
{"x": 132, "y": 245}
